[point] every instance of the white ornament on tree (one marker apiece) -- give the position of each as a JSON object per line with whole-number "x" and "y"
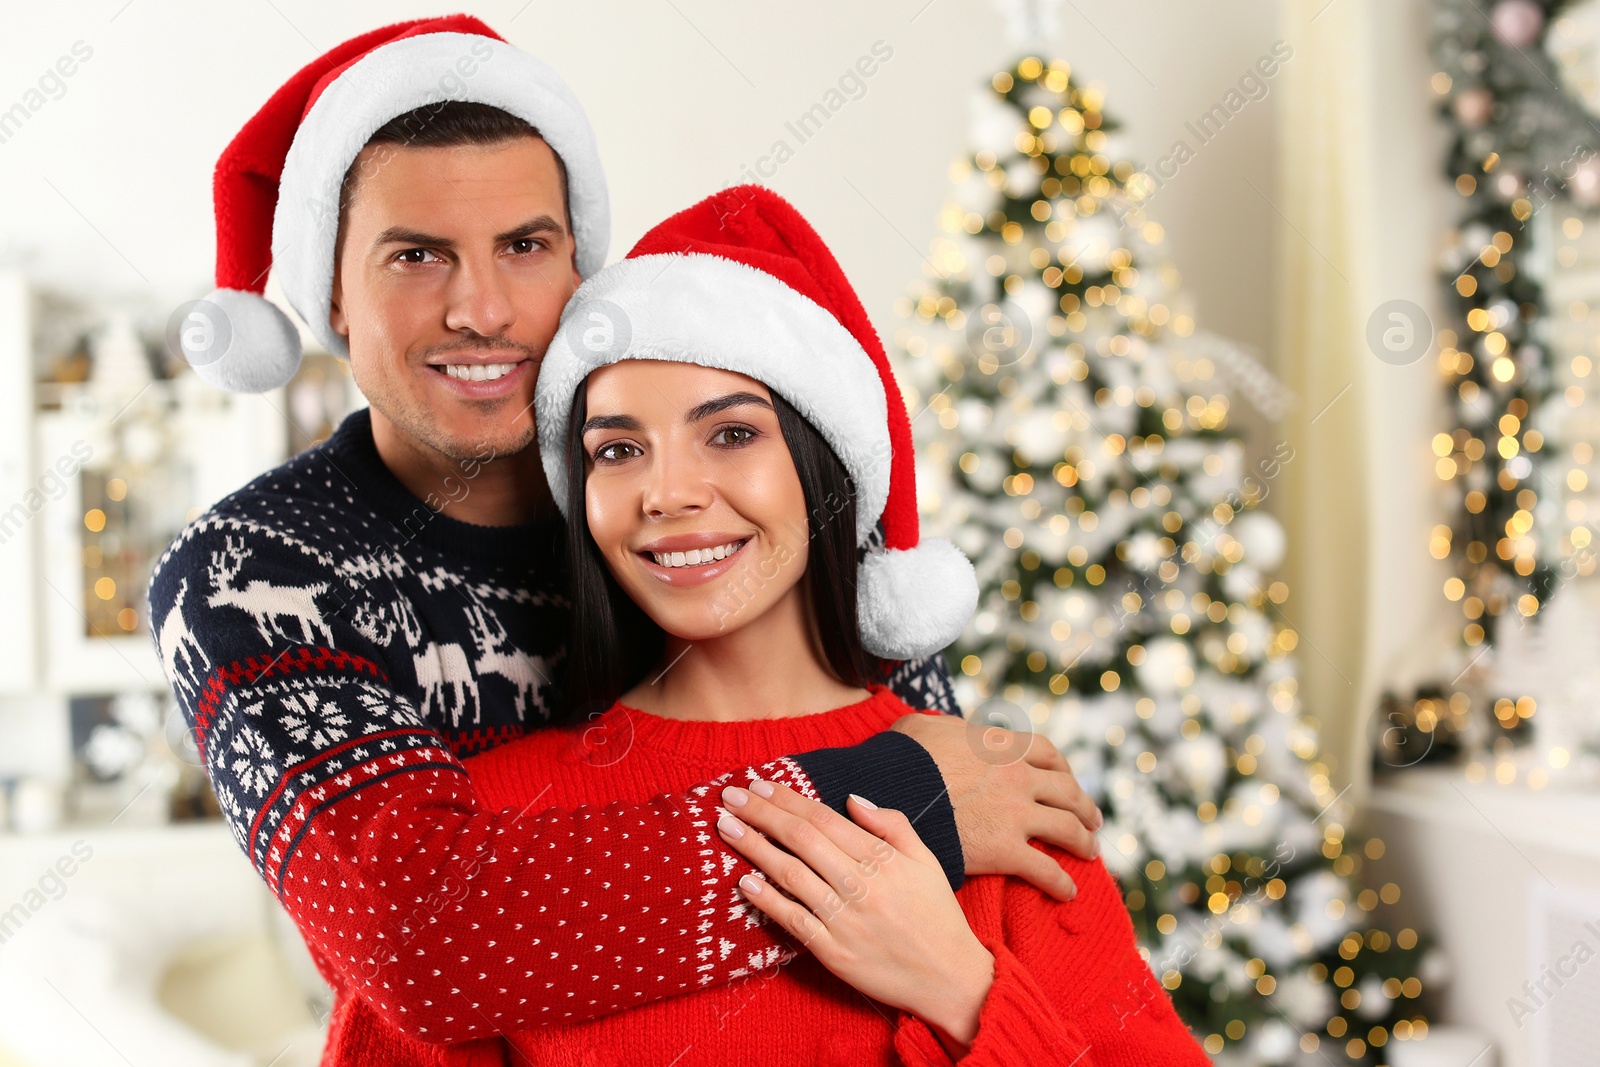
{"x": 994, "y": 125}
{"x": 1585, "y": 182}
{"x": 1168, "y": 666}
{"x": 1517, "y": 23}
{"x": 1202, "y": 763}
{"x": 1473, "y": 106}
{"x": 1263, "y": 539}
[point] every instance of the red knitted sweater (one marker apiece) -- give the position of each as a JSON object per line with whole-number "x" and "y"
{"x": 1070, "y": 986}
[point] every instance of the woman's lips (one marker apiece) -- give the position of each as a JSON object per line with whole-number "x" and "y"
{"x": 691, "y": 575}
{"x": 694, "y": 554}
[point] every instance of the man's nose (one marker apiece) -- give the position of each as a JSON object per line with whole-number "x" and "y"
{"x": 479, "y": 299}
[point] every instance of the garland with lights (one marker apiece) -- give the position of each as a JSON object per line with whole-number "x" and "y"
{"x": 1075, "y": 443}
{"x": 1521, "y": 145}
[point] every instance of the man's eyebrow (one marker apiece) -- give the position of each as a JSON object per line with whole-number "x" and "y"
{"x": 405, "y": 236}
{"x": 723, "y": 403}
{"x": 538, "y": 224}
{"x": 611, "y": 422}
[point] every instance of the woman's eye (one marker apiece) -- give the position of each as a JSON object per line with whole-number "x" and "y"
{"x": 616, "y": 452}
{"x": 734, "y": 436}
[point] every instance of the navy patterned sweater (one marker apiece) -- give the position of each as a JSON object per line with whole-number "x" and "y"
{"x": 338, "y": 646}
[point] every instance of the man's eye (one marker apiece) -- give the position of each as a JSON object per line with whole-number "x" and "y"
{"x": 524, "y": 245}
{"x": 414, "y": 255}
{"x": 734, "y": 436}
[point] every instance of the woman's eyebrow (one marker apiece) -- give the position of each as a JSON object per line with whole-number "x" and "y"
{"x": 611, "y": 422}
{"x": 723, "y": 403}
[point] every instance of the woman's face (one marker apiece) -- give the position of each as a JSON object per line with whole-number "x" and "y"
{"x": 691, "y": 494}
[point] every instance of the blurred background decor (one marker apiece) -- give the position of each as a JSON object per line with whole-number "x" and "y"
{"x": 1078, "y": 447}
{"x": 1518, "y": 91}
{"x": 1217, "y": 374}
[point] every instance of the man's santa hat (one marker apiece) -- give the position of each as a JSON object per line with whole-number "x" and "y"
{"x": 741, "y": 282}
{"x": 277, "y": 183}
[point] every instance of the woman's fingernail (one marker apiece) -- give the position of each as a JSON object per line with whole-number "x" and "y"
{"x": 1097, "y": 846}
{"x": 734, "y": 797}
{"x": 730, "y": 826}
{"x": 863, "y": 801}
{"x": 1099, "y": 818}
{"x": 760, "y": 788}
{"x": 750, "y": 884}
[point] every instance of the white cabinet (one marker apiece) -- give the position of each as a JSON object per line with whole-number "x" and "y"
{"x": 1505, "y": 878}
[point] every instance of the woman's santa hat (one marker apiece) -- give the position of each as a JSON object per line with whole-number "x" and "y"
{"x": 741, "y": 282}
{"x": 277, "y": 183}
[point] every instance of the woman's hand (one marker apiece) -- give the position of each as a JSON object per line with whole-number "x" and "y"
{"x": 869, "y": 901}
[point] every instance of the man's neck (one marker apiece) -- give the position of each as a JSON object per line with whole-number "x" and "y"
{"x": 493, "y": 491}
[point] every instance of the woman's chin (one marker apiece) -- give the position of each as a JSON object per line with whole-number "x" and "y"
{"x": 696, "y": 623}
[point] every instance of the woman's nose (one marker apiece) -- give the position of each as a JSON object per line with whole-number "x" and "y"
{"x": 680, "y": 481}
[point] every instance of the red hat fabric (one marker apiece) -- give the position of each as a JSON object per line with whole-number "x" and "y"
{"x": 741, "y": 281}
{"x": 276, "y": 186}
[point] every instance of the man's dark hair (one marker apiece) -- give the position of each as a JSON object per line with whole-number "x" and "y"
{"x": 614, "y": 643}
{"x": 447, "y": 125}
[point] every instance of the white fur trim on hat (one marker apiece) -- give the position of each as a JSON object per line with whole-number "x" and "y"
{"x": 914, "y": 602}
{"x": 390, "y": 81}
{"x": 656, "y": 307}
{"x": 240, "y": 342}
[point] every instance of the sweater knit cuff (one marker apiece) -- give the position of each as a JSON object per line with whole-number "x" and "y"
{"x": 1018, "y": 1023}
{"x": 893, "y": 771}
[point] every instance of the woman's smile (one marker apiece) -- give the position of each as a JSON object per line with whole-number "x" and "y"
{"x": 693, "y": 559}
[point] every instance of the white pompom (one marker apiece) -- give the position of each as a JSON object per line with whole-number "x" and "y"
{"x": 914, "y": 602}
{"x": 240, "y": 342}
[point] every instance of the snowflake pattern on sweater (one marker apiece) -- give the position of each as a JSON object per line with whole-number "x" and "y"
{"x": 338, "y": 647}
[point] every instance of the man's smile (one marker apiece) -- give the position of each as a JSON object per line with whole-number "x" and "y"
{"x": 483, "y": 377}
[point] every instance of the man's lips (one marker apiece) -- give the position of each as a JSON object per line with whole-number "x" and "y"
{"x": 484, "y": 375}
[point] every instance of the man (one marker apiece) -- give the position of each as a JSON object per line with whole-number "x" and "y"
{"x": 353, "y": 622}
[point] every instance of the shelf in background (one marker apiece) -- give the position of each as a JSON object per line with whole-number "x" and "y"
{"x": 1561, "y": 817}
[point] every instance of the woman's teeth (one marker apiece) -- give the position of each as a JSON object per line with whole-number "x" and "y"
{"x": 478, "y": 372}
{"x": 696, "y": 556}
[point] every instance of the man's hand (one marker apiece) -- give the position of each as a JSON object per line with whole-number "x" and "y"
{"x": 1007, "y": 787}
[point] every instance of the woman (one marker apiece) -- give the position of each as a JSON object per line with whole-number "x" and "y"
{"x": 720, "y": 423}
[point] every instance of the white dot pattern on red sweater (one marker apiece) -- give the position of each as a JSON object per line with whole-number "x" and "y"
{"x": 335, "y": 654}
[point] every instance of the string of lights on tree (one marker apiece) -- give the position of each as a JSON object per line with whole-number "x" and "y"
{"x": 1524, "y": 157}
{"x": 1074, "y": 440}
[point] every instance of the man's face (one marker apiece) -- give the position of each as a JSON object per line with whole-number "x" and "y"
{"x": 455, "y": 266}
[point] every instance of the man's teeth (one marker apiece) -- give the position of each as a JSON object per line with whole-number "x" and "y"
{"x": 696, "y": 556}
{"x": 478, "y": 372}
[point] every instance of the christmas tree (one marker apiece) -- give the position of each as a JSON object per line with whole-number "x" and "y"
{"x": 1075, "y": 441}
